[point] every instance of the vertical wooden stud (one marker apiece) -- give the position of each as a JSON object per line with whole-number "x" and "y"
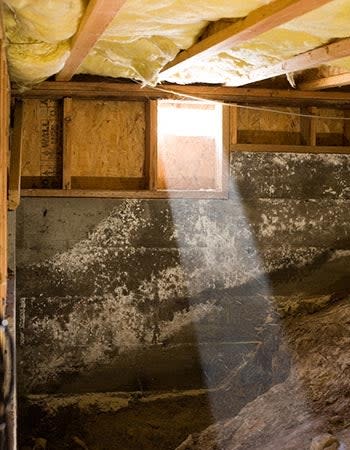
{"x": 16, "y": 159}
{"x": 308, "y": 126}
{"x": 346, "y": 129}
{"x": 151, "y": 143}
{"x": 67, "y": 143}
{"x": 224, "y": 159}
{"x": 233, "y": 130}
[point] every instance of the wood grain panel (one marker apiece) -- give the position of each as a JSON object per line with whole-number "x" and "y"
{"x": 42, "y": 138}
{"x": 107, "y": 139}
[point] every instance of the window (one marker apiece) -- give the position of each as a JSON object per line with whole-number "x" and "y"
{"x": 120, "y": 148}
{"x": 190, "y": 148}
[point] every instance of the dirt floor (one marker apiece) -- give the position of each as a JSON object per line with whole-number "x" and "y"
{"x": 161, "y": 425}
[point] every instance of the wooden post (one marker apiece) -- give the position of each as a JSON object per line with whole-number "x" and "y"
{"x": 346, "y": 132}
{"x": 67, "y": 143}
{"x": 229, "y": 134}
{"x": 151, "y": 138}
{"x": 308, "y": 126}
{"x": 16, "y": 159}
{"x": 233, "y": 126}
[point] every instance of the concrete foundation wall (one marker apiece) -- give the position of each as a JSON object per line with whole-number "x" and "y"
{"x": 150, "y": 295}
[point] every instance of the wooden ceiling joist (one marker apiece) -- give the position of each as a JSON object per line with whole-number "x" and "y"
{"x": 339, "y": 80}
{"x": 256, "y": 23}
{"x": 313, "y": 58}
{"x": 126, "y": 91}
{"x": 98, "y": 15}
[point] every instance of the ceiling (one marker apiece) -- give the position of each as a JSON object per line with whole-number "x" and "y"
{"x": 228, "y": 42}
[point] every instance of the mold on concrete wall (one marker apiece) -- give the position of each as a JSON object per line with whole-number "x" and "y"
{"x": 175, "y": 295}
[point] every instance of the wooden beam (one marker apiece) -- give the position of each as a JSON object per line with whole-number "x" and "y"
{"x": 223, "y": 160}
{"x": 67, "y": 143}
{"x": 132, "y": 91}
{"x": 233, "y": 125}
{"x": 151, "y": 143}
{"x": 313, "y": 58}
{"x": 16, "y": 159}
{"x": 332, "y": 81}
{"x": 346, "y": 128}
{"x": 256, "y": 23}
{"x": 262, "y": 148}
{"x": 98, "y": 15}
{"x": 308, "y": 126}
{"x": 82, "y": 193}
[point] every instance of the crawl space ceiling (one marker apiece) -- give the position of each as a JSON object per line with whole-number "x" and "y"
{"x": 146, "y": 34}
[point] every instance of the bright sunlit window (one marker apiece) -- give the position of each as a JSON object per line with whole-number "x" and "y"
{"x": 190, "y": 146}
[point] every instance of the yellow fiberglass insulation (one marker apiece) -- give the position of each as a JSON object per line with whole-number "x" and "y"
{"x": 147, "y": 34}
{"x": 37, "y": 33}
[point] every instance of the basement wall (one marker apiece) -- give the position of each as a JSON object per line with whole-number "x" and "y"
{"x": 122, "y": 294}
{"x": 171, "y": 295}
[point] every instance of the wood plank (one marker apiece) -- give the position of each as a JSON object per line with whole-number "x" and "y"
{"x": 269, "y": 137}
{"x": 67, "y": 143}
{"x": 16, "y": 159}
{"x": 121, "y": 194}
{"x": 42, "y": 138}
{"x": 313, "y": 58}
{"x": 256, "y": 23}
{"x": 223, "y": 174}
{"x": 151, "y": 140}
{"x": 108, "y": 138}
{"x": 133, "y": 91}
{"x": 41, "y": 182}
{"x": 108, "y": 183}
{"x": 233, "y": 129}
{"x": 308, "y": 126}
{"x": 4, "y": 146}
{"x": 346, "y": 128}
{"x": 329, "y": 82}
{"x": 97, "y": 17}
{"x": 290, "y": 148}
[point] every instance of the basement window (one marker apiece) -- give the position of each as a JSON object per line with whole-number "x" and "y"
{"x": 86, "y": 147}
{"x": 190, "y": 147}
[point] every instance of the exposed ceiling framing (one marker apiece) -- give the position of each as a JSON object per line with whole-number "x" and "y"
{"x": 256, "y": 23}
{"x": 332, "y": 81}
{"x": 85, "y": 89}
{"x": 100, "y": 13}
{"x": 313, "y": 58}
{"x": 98, "y": 16}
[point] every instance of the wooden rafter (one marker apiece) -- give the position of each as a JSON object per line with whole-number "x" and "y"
{"x": 98, "y": 16}
{"x": 331, "y": 81}
{"x": 313, "y": 58}
{"x": 257, "y": 22}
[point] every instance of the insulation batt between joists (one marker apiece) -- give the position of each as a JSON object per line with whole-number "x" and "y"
{"x": 147, "y": 34}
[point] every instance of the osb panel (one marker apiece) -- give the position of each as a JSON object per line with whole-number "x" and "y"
{"x": 108, "y": 138}
{"x": 329, "y": 125}
{"x": 42, "y": 138}
{"x": 269, "y": 121}
{"x": 268, "y": 137}
{"x": 194, "y": 167}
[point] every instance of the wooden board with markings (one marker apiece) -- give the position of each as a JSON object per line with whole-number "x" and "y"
{"x": 42, "y": 144}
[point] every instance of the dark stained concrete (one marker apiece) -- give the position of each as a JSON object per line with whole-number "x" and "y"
{"x": 175, "y": 295}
